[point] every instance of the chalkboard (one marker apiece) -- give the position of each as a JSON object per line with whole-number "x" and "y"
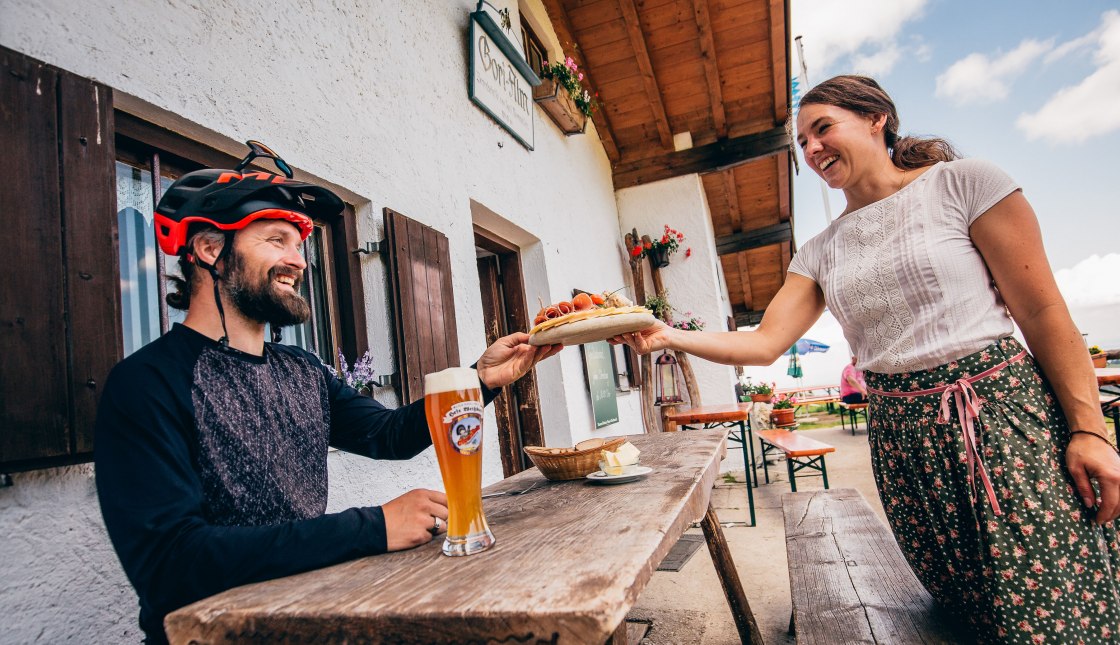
{"x": 598, "y": 362}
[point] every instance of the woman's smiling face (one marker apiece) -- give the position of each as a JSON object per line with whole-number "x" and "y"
{"x": 838, "y": 143}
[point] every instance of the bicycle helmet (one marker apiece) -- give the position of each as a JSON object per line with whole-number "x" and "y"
{"x": 230, "y": 201}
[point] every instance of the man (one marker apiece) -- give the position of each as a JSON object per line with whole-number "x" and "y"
{"x": 211, "y": 454}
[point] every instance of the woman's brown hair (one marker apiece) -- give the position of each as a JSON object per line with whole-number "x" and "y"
{"x": 864, "y": 96}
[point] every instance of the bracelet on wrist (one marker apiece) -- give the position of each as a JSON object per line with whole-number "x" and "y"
{"x": 1095, "y": 434}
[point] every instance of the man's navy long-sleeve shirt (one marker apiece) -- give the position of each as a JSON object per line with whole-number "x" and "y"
{"x": 211, "y": 467}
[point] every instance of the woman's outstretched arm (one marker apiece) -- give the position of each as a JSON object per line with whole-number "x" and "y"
{"x": 798, "y": 304}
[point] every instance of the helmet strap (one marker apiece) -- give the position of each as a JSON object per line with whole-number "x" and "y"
{"x": 215, "y": 277}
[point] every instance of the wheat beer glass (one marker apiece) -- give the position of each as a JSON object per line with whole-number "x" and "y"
{"x": 453, "y": 404}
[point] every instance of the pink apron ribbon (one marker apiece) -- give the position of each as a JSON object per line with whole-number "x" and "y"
{"x": 964, "y": 397}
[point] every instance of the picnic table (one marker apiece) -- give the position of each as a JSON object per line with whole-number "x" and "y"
{"x": 1108, "y": 381}
{"x": 737, "y": 417}
{"x": 813, "y": 395}
{"x": 570, "y": 561}
{"x": 1107, "y": 376}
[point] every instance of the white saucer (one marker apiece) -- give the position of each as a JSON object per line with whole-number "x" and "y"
{"x": 600, "y": 477}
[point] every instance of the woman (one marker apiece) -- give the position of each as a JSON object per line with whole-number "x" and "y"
{"x": 925, "y": 269}
{"x": 853, "y": 389}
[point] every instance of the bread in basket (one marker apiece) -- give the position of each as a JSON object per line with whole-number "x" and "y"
{"x": 560, "y": 464}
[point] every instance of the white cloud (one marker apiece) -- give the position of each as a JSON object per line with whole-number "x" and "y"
{"x": 1087, "y": 109}
{"x": 855, "y": 35}
{"x": 877, "y": 63}
{"x": 978, "y": 78}
{"x": 1091, "y": 282}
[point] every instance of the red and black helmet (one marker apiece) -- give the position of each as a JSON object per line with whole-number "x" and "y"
{"x": 230, "y": 200}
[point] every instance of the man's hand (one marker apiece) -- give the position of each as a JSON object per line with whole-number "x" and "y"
{"x": 509, "y": 358}
{"x": 1091, "y": 458}
{"x": 647, "y": 340}
{"x": 410, "y": 519}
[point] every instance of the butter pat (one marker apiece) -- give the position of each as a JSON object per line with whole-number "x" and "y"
{"x": 616, "y": 462}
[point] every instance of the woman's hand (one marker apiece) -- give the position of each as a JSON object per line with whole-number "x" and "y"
{"x": 650, "y": 339}
{"x": 1092, "y": 458}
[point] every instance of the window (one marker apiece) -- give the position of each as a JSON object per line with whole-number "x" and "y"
{"x": 535, "y": 53}
{"x": 82, "y": 288}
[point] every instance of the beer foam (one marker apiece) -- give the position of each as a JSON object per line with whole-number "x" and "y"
{"x": 450, "y": 380}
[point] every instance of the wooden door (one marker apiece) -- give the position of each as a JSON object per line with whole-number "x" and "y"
{"x": 517, "y": 408}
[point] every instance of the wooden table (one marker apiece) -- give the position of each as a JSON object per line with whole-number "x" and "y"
{"x": 570, "y": 561}
{"x": 733, "y": 415}
{"x": 1108, "y": 381}
{"x": 1107, "y": 375}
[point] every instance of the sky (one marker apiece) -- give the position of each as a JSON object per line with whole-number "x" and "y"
{"x": 1031, "y": 85}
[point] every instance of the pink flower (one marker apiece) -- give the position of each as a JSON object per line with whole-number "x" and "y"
{"x": 581, "y": 76}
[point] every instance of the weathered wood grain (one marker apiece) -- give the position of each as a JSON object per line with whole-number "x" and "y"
{"x": 569, "y": 563}
{"x": 849, "y": 581}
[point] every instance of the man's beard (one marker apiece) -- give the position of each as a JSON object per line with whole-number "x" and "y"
{"x": 263, "y": 301}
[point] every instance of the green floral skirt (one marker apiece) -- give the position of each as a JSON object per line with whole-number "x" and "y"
{"x": 1038, "y": 570}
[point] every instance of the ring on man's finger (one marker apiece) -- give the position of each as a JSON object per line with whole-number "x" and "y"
{"x": 436, "y": 523}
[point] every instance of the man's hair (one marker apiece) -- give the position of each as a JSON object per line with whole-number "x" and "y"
{"x": 186, "y": 285}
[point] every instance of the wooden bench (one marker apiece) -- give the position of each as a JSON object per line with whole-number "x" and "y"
{"x": 848, "y": 579}
{"x": 852, "y": 412}
{"x": 801, "y": 452}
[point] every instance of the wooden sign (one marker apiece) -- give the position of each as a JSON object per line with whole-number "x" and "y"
{"x": 598, "y": 360}
{"x": 501, "y": 82}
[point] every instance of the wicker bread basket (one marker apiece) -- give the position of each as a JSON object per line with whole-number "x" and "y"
{"x": 560, "y": 464}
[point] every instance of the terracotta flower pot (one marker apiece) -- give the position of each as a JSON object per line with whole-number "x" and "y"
{"x": 1099, "y": 360}
{"x": 760, "y": 398}
{"x": 782, "y": 417}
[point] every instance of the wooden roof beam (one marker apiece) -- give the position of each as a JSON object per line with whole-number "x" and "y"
{"x": 733, "y": 200}
{"x": 711, "y": 68}
{"x": 721, "y": 155}
{"x": 562, "y": 25}
{"x": 784, "y": 210}
{"x": 645, "y": 68}
{"x": 745, "y": 278}
{"x": 759, "y": 237}
{"x": 748, "y": 318}
{"x": 779, "y": 57}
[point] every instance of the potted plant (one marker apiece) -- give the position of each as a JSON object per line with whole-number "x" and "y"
{"x": 360, "y": 376}
{"x": 660, "y": 249}
{"x": 691, "y": 323}
{"x": 782, "y": 414}
{"x": 562, "y": 96}
{"x": 759, "y": 392}
{"x": 659, "y": 305}
{"x": 1100, "y": 359}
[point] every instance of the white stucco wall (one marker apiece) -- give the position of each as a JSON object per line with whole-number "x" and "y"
{"x": 371, "y": 99}
{"x": 693, "y": 283}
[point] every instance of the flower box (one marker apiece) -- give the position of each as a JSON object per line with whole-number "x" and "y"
{"x": 1099, "y": 360}
{"x": 555, "y": 100}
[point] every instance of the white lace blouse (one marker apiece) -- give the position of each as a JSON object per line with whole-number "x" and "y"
{"x": 903, "y": 277}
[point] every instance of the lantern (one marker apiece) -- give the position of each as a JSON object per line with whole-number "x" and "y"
{"x": 668, "y": 381}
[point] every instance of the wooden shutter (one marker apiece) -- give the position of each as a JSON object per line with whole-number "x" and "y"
{"x": 60, "y": 322}
{"x": 423, "y": 302}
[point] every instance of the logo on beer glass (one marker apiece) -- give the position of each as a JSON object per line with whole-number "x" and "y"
{"x": 463, "y": 424}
